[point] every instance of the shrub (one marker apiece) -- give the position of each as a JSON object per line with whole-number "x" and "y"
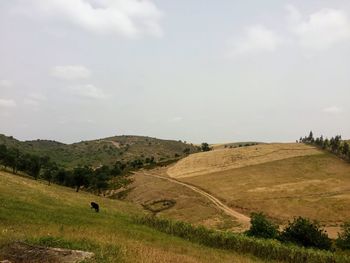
{"x": 306, "y": 233}
{"x": 343, "y": 240}
{"x": 261, "y": 227}
{"x": 267, "y": 249}
{"x": 205, "y": 147}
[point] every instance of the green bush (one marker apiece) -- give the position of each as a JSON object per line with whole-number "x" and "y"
{"x": 267, "y": 249}
{"x": 302, "y": 231}
{"x": 343, "y": 240}
{"x": 261, "y": 227}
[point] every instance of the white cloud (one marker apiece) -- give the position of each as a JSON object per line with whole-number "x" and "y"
{"x": 7, "y": 103}
{"x": 71, "y": 72}
{"x": 131, "y": 18}
{"x": 333, "y": 110}
{"x": 321, "y": 29}
{"x": 256, "y": 38}
{"x": 5, "y": 83}
{"x": 89, "y": 91}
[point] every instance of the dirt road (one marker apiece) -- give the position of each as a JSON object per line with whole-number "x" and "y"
{"x": 242, "y": 219}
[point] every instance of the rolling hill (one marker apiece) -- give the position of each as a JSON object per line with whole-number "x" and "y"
{"x": 39, "y": 214}
{"x": 102, "y": 151}
{"x": 281, "y": 180}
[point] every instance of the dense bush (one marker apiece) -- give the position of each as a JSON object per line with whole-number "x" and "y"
{"x": 302, "y": 231}
{"x": 262, "y": 227}
{"x": 343, "y": 240}
{"x": 267, "y": 249}
{"x": 205, "y": 147}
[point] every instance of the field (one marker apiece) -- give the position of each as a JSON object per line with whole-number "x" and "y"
{"x": 282, "y": 180}
{"x": 189, "y": 207}
{"x": 57, "y": 216}
{"x": 102, "y": 151}
{"x": 226, "y": 159}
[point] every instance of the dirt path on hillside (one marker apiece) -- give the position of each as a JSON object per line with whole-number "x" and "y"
{"x": 242, "y": 219}
{"x": 115, "y": 144}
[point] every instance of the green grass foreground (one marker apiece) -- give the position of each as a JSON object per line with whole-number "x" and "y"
{"x": 57, "y": 216}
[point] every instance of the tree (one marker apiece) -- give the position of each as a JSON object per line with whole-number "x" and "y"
{"x": 100, "y": 177}
{"x": 11, "y": 159}
{"x": 346, "y": 149}
{"x": 61, "y": 176}
{"x": 310, "y": 138}
{"x": 306, "y": 233}
{"x": 205, "y": 147}
{"x": 3, "y": 153}
{"x": 34, "y": 166}
{"x": 335, "y": 144}
{"x": 262, "y": 227}
{"x": 49, "y": 172}
{"x": 81, "y": 177}
{"x": 325, "y": 144}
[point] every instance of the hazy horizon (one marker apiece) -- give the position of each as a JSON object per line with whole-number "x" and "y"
{"x": 270, "y": 71}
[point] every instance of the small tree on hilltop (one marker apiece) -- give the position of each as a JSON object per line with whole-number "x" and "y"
{"x": 262, "y": 227}
{"x": 205, "y": 147}
{"x": 346, "y": 149}
{"x": 310, "y": 138}
{"x": 325, "y": 145}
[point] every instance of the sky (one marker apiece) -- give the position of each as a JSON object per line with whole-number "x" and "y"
{"x": 214, "y": 71}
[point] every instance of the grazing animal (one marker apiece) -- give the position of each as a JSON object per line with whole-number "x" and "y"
{"x": 95, "y": 206}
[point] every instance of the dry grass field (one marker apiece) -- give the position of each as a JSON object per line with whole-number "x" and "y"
{"x": 53, "y": 215}
{"x": 189, "y": 207}
{"x": 226, "y": 159}
{"x": 282, "y": 180}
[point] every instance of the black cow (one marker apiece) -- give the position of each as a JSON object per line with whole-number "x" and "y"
{"x": 95, "y": 206}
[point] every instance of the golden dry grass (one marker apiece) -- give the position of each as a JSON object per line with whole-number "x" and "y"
{"x": 226, "y": 159}
{"x": 316, "y": 186}
{"x": 190, "y": 206}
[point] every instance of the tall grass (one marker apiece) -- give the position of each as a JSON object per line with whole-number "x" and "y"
{"x": 262, "y": 248}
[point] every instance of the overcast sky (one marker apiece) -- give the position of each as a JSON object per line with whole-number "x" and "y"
{"x": 213, "y": 71}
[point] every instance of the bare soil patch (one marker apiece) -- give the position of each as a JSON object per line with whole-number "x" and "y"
{"x": 20, "y": 252}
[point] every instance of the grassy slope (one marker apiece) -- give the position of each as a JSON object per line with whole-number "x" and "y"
{"x": 102, "y": 151}
{"x": 190, "y": 206}
{"x": 54, "y": 215}
{"x": 315, "y": 186}
{"x": 226, "y": 159}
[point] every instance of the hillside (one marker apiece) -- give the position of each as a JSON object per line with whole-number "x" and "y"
{"x": 225, "y": 159}
{"x": 56, "y": 216}
{"x": 102, "y": 151}
{"x": 282, "y": 180}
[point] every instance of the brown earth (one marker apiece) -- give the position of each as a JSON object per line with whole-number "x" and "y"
{"x": 19, "y": 252}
